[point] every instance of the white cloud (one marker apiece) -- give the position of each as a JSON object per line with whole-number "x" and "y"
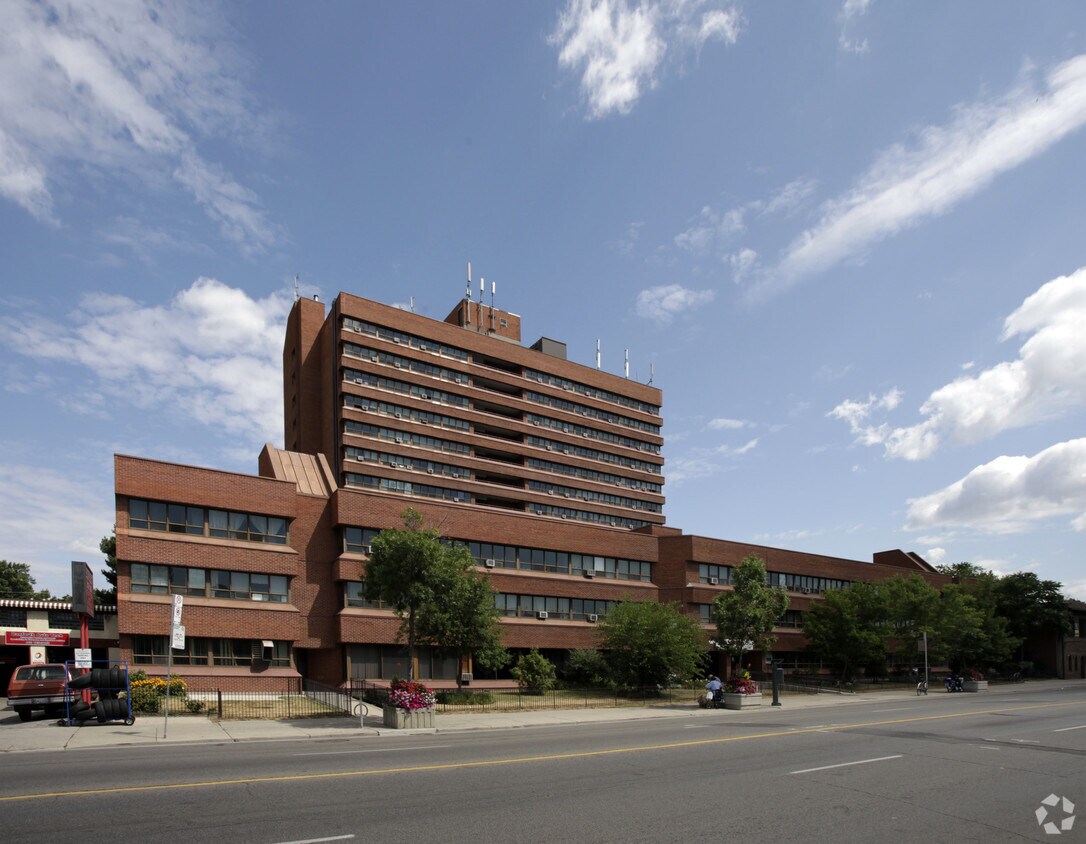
{"x": 123, "y": 87}
{"x": 49, "y": 518}
{"x": 935, "y": 555}
{"x": 727, "y": 424}
{"x": 742, "y": 262}
{"x": 619, "y": 48}
{"x": 213, "y": 353}
{"x": 712, "y": 230}
{"x": 705, "y": 462}
{"x": 665, "y": 302}
{"x": 1011, "y": 494}
{"x": 1047, "y": 378}
{"x": 946, "y": 165}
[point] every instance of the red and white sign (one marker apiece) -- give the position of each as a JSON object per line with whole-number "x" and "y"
{"x": 33, "y": 637}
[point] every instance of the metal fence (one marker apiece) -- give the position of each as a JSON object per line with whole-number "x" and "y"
{"x": 512, "y": 699}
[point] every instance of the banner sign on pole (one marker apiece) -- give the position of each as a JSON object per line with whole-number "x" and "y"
{"x": 178, "y": 637}
{"x": 177, "y": 601}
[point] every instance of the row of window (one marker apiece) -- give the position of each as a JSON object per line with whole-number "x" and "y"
{"x": 591, "y": 412}
{"x": 593, "y": 454}
{"x": 714, "y": 575}
{"x": 154, "y": 650}
{"x": 791, "y": 618}
{"x": 58, "y": 619}
{"x": 200, "y": 521}
{"x": 399, "y": 411}
{"x": 587, "y": 516}
{"x": 405, "y": 438}
{"x": 804, "y": 582}
{"x": 409, "y": 364}
{"x": 405, "y": 487}
{"x": 421, "y": 343}
{"x": 591, "y": 433}
{"x": 399, "y": 461}
{"x": 591, "y": 392}
{"x": 592, "y": 475}
{"x": 373, "y": 662}
{"x": 593, "y": 496}
{"x": 239, "y": 585}
{"x": 357, "y": 540}
{"x": 569, "y": 609}
{"x": 404, "y": 388}
{"x": 559, "y": 562}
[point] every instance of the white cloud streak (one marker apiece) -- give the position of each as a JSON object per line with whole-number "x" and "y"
{"x": 619, "y": 48}
{"x": 212, "y": 354}
{"x": 664, "y": 303}
{"x": 1047, "y": 379}
{"x": 947, "y": 164}
{"x": 123, "y": 87}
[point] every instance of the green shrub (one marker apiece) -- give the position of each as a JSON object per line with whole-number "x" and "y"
{"x": 534, "y": 672}
{"x": 145, "y": 698}
{"x": 465, "y": 698}
{"x": 586, "y": 667}
{"x": 193, "y": 705}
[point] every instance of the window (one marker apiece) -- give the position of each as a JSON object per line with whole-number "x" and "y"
{"x": 178, "y": 580}
{"x": 714, "y": 574}
{"x": 12, "y": 617}
{"x": 152, "y": 650}
{"x": 64, "y": 620}
{"x": 196, "y": 521}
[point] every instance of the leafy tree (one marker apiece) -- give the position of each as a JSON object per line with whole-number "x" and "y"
{"x": 588, "y": 667}
{"x": 847, "y": 628}
{"x": 407, "y": 570}
{"x": 647, "y": 643}
{"x": 533, "y": 672}
{"x": 461, "y": 618}
{"x": 17, "y": 582}
{"x": 108, "y": 546}
{"x": 1031, "y": 605}
{"x": 746, "y": 616}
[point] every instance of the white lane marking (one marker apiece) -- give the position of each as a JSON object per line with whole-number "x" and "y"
{"x": 373, "y": 750}
{"x": 984, "y": 746}
{"x": 318, "y": 840}
{"x": 1065, "y": 729}
{"x": 846, "y": 764}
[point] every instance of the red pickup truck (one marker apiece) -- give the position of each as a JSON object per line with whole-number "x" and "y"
{"x": 42, "y": 686}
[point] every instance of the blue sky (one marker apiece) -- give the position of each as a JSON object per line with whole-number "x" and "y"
{"x": 845, "y": 239}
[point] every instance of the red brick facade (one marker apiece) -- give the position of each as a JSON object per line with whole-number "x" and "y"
{"x": 544, "y": 452}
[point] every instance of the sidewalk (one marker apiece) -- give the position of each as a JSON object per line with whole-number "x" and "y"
{"x": 45, "y": 735}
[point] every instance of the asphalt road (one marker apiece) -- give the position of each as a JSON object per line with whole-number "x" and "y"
{"x": 941, "y": 768}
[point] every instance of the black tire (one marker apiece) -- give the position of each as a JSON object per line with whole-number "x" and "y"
{"x": 116, "y": 680}
{"x": 25, "y": 713}
{"x": 82, "y": 681}
{"x": 77, "y": 707}
{"x": 85, "y": 714}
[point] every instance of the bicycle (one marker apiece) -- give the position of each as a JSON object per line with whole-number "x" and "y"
{"x": 922, "y": 688}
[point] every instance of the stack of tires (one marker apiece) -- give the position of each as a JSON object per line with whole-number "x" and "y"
{"x": 109, "y": 683}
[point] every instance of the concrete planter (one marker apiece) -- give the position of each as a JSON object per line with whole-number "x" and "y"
{"x": 974, "y": 685}
{"x": 738, "y": 701}
{"x": 403, "y": 719}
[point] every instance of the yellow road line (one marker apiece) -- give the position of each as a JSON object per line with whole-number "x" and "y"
{"x": 522, "y": 760}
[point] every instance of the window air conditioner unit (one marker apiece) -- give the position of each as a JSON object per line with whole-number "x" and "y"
{"x": 465, "y": 677}
{"x": 262, "y": 650}
{"x": 806, "y": 591}
{"x": 367, "y": 549}
{"x": 490, "y": 563}
{"x": 714, "y": 581}
{"x": 593, "y": 618}
{"x": 589, "y": 573}
{"x": 542, "y": 615}
{"x": 398, "y": 415}
{"x": 429, "y": 471}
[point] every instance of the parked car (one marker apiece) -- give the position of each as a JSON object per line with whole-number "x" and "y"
{"x": 43, "y": 686}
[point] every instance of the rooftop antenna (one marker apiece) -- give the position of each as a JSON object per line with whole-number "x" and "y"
{"x": 482, "y": 290}
{"x": 412, "y": 304}
{"x": 296, "y": 295}
{"x": 627, "y": 363}
{"x": 651, "y": 374}
{"x": 468, "y": 294}
{"x": 597, "y": 353}
{"x": 493, "y": 289}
